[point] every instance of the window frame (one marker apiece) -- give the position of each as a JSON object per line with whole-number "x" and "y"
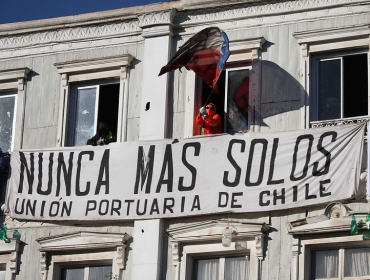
{"x": 315, "y": 58}
{"x": 316, "y": 42}
{"x": 70, "y": 249}
{"x": 73, "y": 98}
{"x": 88, "y": 71}
{"x": 241, "y": 51}
{"x": 194, "y": 240}
{"x": 13, "y": 82}
{"x": 9, "y": 257}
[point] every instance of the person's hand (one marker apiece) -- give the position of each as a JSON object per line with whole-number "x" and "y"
{"x": 203, "y": 112}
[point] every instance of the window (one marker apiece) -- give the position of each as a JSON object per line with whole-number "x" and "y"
{"x": 12, "y": 99}
{"x": 340, "y": 86}
{"x": 225, "y": 268}
{"x": 237, "y": 85}
{"x": 7, "y": 120}
{"x": 9, "y": 261}
{"x": 89, "y": 105}
{"x": 231, "y": 99}
{"x": 198, "y": 253}
{"x": 83, "y": 256}
{"x": 334, "y": 71}
{"x": 87, "y": 273}
{"x": 341, "y": 263}
{"x": 91, "y": 91}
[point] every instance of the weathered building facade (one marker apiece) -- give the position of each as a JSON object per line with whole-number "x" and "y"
{"x": 306, "y": 64}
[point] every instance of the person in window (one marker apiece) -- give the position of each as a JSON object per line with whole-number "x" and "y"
{"x": 102, "y": 137}
{"x": 209, "y": 120}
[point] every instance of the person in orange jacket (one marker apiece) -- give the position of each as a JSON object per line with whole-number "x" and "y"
{"x": 209, "y": 120}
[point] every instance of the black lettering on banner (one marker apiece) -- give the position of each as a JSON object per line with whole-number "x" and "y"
{"x": 167, "y": 165}
{"x": 233, "y": 200}
{"x": 129, "y": 201}
{"x": 29, "y": 171}
{"x": 192, "y": 169}
{"x": 78, "y": 190}
{"x": 138, "y": 206}
{"x": 91, "y": 205}
{"x": 42, "y": 208}
{"x": 30, "y": 208}
{"x": 238, "y": 170}
{"x": 261, "y": 198}
{"x": 196, "y": 203}
{"x": 144, "y": 173}
{"x": 116, "y": 208}
{"x": 270, "y": 181}
{"x": 102, "y": 211}
{"x": 104, "y": 169}
{"x": 220, "y": 196}
{"x": 67, "y": 174}
{"x": 182, "y": 203}
{"x": 310, "y": 138}
{"x": 154, "y": 207}
{"x": 50, "y": 175}
{"x": 168, "y": 206}
{"x": 307, "y": 195}
{"x": 322, "y": 188}
{"x": 320, "y": 148}
{"x": 16, "y": 211}
{"x": 254, "y": 142}
{"x": 66, "y": 209}
{"x": 295, "y": 193}
{"x": 281, "y": 196}
{"x": 55, "y": 213}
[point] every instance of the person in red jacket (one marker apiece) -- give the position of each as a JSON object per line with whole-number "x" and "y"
{"x": 209, "y": 120}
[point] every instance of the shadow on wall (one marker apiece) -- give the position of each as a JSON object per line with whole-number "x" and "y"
{"x": 280, "y": 93}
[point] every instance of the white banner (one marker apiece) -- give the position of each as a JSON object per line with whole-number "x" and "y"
{"x": 157, "y": 179}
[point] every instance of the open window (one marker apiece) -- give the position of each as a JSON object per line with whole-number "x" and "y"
{"x": 92, "y": 91}
{"x": 12, "y": 98}
{"x": 231, "y": 99}
{"x": 334, "y": 67}
{"x": 237, "y": 93}
{"x": 90, "y": 105}
{"x": 340, "y": 86}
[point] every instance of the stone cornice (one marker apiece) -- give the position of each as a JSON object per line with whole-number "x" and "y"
{"x": 123, "y": 28}
{"x": 247, "y": 10}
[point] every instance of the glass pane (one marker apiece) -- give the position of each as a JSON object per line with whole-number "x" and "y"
{"x": 329, "y": 101}
{"x": 236, "y": 268}
{"x": 237, "y": 100}
{"x": 325, "y": 264}
{"x": 101, "y": 272}
{"x": 7, "y": 105}
{"x": 76, "y": 273}
{"x": 357, "y": 262}
{"x": 206, "y": 269}
{"x": 85, "y": 116}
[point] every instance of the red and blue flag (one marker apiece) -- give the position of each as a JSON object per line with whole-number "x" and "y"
{"x": 205, "y": 53}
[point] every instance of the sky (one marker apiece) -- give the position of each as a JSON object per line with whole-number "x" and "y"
{"x": 22, "y": 10}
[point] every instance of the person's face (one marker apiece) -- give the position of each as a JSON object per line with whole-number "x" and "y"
{"x": 210, "y": 109}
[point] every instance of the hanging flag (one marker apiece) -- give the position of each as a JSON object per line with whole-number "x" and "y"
{"x": 205, "y": 53}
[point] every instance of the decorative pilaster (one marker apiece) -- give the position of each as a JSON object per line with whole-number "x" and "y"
{"x": 295, "y": 263}
{"x": 175, "y": 253}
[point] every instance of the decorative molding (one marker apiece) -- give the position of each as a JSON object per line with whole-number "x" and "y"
{"x": 157, "y": 24}
{"x": 240, "y": 11}
{"x": 175, "y": 252}
{"x": 98, "y": 64}
{"x": 121, "y": 256}
{"x": 14, "y": 74}
{"x": 157, "y": 18}
{"x": 338, "y": 122}
{"x": 123, "y": 28}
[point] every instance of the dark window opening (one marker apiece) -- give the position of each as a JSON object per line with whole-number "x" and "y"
{"x": 88, "y": 106}
{"x": 231, "y": 97}
{"x": 342, "y": 87}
